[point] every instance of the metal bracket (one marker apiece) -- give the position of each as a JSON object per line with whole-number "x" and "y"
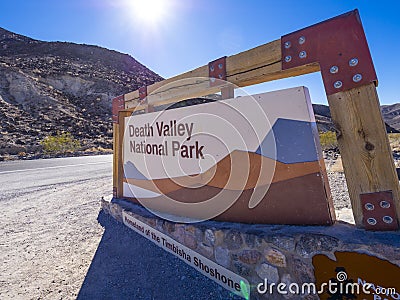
{"x": 143, "y": 94}
{"x": 217, "y": 71}
{"x": 118, "y": 104}
{"x": 378, "y": 211}
{"x": 339, "y": 46}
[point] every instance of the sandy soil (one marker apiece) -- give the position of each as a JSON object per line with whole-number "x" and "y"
{"x": 47, "y": 240}
{"x": 49, "y": 236}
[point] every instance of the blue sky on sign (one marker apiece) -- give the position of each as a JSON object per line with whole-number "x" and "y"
{"x": 174, "y": 36}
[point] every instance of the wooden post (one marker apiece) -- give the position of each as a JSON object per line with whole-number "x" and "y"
{"x": 116, "y": 146}
{"x": 118, "y": 152}
{"x": 149, "y": 108}
{"x": 228, "y": 92}
{"x": 364, "y": 146}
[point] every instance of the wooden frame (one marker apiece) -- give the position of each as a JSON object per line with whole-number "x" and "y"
{"x": 362, "y": 139}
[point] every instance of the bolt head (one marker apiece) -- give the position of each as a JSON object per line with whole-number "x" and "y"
{"x": 334, "y": 69}
{"x": 387, "y": 219}
{"x": 384, "y": 204}
{"x": 287, "y": 45}
{"x": 357, "y": 78}
{"x": 220, "y": 66}
{"x": 338, "y": 84}
{"x": 371, "y": 221}
{"x": 369, "y": 206}
{"x": 303, "y": 54}
{"x": 353, "y": 62}
{"x": 212, "y": 68}
{"x": 212, "y": 79}
{"x": 302, "y": 40}
{"x": 288, "y": 58}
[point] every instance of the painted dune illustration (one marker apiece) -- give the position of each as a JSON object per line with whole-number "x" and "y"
{"x": 285, "y": 174}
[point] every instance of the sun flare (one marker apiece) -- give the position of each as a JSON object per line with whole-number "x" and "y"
{"x": 149, "y": 12}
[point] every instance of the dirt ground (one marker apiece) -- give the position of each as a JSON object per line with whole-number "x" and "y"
{"x": 52, "y": 241}
{"x": 48, "y": 237}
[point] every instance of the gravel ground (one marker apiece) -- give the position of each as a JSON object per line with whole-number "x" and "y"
{"x": 56, "y": 244}
{"x": 47, "y": 240}
{"x": 340, "y": 194}
{"x": 58, "y": 247}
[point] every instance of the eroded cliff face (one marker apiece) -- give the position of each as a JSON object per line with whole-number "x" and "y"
{"x": 50, "y": 87}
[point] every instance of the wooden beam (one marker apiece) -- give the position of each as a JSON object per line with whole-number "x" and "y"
{"x": 257, "y": 65}
{"x": 364, "y": 146}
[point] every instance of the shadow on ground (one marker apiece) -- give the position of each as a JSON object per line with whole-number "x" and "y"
{"x": 128, "y": 266}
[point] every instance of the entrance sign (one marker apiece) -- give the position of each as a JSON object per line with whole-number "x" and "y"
{"x": 224, "y": 277}
{"x": 339, "y": 50}
{"x": 253, "y": 159}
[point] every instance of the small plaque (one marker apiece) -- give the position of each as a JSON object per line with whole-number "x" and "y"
{"x": 378, "y": 211}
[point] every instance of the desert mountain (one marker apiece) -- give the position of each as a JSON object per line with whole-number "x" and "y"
{"x": 50, "y": 87}
{"x": 390, "y": 114}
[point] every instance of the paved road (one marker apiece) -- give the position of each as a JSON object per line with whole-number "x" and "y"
{"x": 19, "y": 175}
{"x": 55, "y": 244}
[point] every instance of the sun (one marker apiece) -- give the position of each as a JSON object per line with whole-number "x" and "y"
{"x": 149, "y": 12}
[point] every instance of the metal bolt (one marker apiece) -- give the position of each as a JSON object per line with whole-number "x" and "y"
{"x": 387, "y": 219}
{"x": 369, "y": 206}
{"x": 384, "y": 204}
{"x": 288, "y": 45}
{"x": 334, "y": 69}
{"x": 288, "y": 58}
{"x": 220, "y": 76}
{"x": 357, "y": 78}
{"x": 212, "y": 68}
{"x": 212, "y": 79}
{"x": 371, "y": 221}
{"x": 302, "y": 40}
{"x": 353, "y": 62}
{"x": 303, "y": 54}
{"x": 338, "y": 84}
{"x": 220, "y": 66}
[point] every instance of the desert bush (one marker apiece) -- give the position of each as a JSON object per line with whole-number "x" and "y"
{"x": 394, "y": 140}
{"x": 22, "y": 154}
{"x": 328, "y": 140}
{"x": 60, "y": 143}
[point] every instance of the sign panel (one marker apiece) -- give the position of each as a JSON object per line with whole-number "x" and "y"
{"x": 224, "y": 277}
{"x": 253, "y": 159}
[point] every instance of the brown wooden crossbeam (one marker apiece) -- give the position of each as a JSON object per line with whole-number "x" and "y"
{"x": 336, "y": 47}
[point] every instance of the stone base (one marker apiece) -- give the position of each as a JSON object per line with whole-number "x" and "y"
{"x": 277, "y": 252}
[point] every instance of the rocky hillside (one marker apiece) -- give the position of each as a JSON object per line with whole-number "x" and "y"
{"x": 390, "y": 114}
{"x": 50, "y": 87}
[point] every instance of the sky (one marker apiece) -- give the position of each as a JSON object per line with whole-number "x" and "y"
{"x": 174, "y": 36}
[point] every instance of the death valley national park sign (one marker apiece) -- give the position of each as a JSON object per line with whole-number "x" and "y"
{"x": 252, "y": 159}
